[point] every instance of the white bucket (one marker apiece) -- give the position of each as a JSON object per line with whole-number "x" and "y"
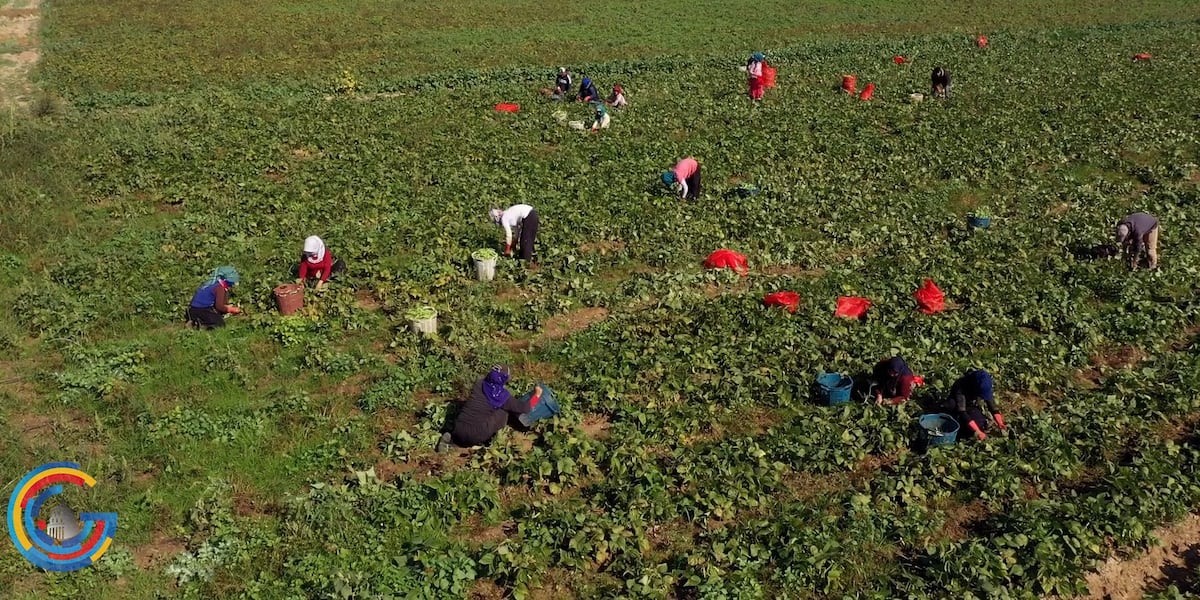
{"x": 577, "y": 125}
{"x": 485, "y": 269}
{"x": 424, "y": 326}
{"x": 916, "y": 97}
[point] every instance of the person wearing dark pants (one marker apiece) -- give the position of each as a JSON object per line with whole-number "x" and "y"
{"x": 487, "y": 411}
{"x": 524, "y": 219}
{"x": 685, "y": 175}
{"x": 940, "y": 83}
{"x": 965, "y": 396}
{"x": 210, "y": 303}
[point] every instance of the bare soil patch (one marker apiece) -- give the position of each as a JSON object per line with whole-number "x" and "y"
{"x": 486, "y": 589}
{"x": 561, "y": 326}
{"x": 960, "y": 519}
{"x": 602, "y": 247}
{"x": 1120, "y": 357}
{"x": 158, "y": 551}
{"x": 18, "y": 27}
{"x": 1172, "y": 562}
{"x": 366, "y": 300}
{"x": 595, "y": 426}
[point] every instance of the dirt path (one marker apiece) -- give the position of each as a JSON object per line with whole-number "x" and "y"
{"x": 18, "y": 51}
{"x": 1173, "y": 562}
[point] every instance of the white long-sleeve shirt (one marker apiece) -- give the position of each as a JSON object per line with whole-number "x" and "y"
{"x": 512, "y": 218}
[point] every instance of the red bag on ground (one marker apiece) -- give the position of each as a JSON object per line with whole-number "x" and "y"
{"x": 1141, "y": 56}
{"x": 851, "y": 306}
{"x": 918, "y": 381}
{"x": 768, "y": 76}
{"x": 508, "y": 107}
{"x": 981, "y": 41}
{"x": 899, "y": 60}
{"x": 788, "y": 300}
{"x": 727, "y": 259}
{"x": 929, "y": 298}
{"x": 867, "y": 92}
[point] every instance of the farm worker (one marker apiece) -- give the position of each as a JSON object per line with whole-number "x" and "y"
{"x": 210, "y": 303}
{"x": 893, "y": 381}
{"x": 617, "y": 99}
{"x": 1138, "y": 231}
{"x": 754, "y": 75}
{"x": 317, "y": 263}
{"x": 600, "y": 119}
{"x": 587, "y": 91}
{"x": 686, "y": 175}
{"x": 965, "y": 395}
{"x": 487, "y": 410}
{"x": 940, "y": 83}
{"x": 562, "y": 83}
{"x": 524, "y": 218}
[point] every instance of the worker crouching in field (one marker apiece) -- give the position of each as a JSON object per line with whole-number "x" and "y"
{"x": 754, "y": 75}
{"x": 893, "y": 381}
{"x": 587, "y": 91}
{"x": 524, "y": 219}
{"x": 965, "y": 396}
{"x": 685, "y": 177}
{"x": 617, "y": 99}
{"x": 562, "y": 84}
{"x": 316, "y": 263}
{"x": 940, "y": 84}
{"x": 210, "y": 303}
{"x": 600, "y": 118}
{"x": 1136, "y": 232}
{"x": 489, "y": 407}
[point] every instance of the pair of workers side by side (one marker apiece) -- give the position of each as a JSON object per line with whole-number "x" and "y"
{"x": 490, "y": 406}
{"x": 893, "y": 381}
{"x": 210, "y": 303}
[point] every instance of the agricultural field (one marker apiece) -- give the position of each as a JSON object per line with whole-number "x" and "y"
{"x": 292, "y": 457}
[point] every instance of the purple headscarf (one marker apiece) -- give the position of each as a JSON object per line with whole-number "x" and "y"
{"x": 493, "y": 387}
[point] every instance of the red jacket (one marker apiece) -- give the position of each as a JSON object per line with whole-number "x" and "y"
{"x": 307, "y": 268}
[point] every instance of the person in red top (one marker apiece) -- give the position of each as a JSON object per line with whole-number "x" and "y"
{"x": 317, "y": 263}
{"x": 686, "y": 175}
{"x": 893, "y": 381}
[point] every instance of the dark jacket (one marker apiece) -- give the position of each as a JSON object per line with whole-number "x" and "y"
{"x": 478, "y": 421}
{"x": 970, "y": 389}
{"x": 893, "y": 378}
{"x": 588, "y": 92}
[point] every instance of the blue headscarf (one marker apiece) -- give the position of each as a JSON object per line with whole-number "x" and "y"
{"x": 227, "y": 273}
{"x": 587, "y": 82}
{"x": 493, "y": 387}
{"x": 758, "y": 57}
{"x": 897, "y": 365}
{"x": 983, "y": 384}
{"x": 668, "y": 177}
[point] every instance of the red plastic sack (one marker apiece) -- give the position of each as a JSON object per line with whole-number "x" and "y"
{"x": 1141, "y": 56}
{"x": 850, "y": 84}
{"x": 899, "y": 60}
{"x": 727, "y": 259}
{"x": 929, "y": 298}
{"x": 508, "y": 107}
{"x": 981, "y": 41}
{"x": 918, "y": 381}
{"x": 768, "y": 76}
{"x": 788, "y": 300}
{"x": 851, "y": 306}
{"x": 867, "y": 92}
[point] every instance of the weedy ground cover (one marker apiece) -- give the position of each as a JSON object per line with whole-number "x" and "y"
{"x": 289, "y": 457}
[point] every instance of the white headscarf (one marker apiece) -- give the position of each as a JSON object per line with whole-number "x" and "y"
{"x": 314, "y": 245}
{"x": 496, "y": 214}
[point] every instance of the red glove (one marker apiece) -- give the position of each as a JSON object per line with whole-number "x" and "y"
{"x": 979, "y": 434}
{"x": 537, "y": 397}
{"x": 1000, "y": 421}
{"x": 233, "y": 310}
{"x": 508, "y": 250}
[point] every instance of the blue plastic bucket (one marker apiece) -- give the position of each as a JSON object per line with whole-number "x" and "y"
{"x": 547, "y": 406}
{"x": 979, "y": 222}
{"x": 940, "y": 429}
{"x": 834, "y": 388}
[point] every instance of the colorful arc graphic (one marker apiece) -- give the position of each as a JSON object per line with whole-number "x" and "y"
{"x": 38, "y": 486}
